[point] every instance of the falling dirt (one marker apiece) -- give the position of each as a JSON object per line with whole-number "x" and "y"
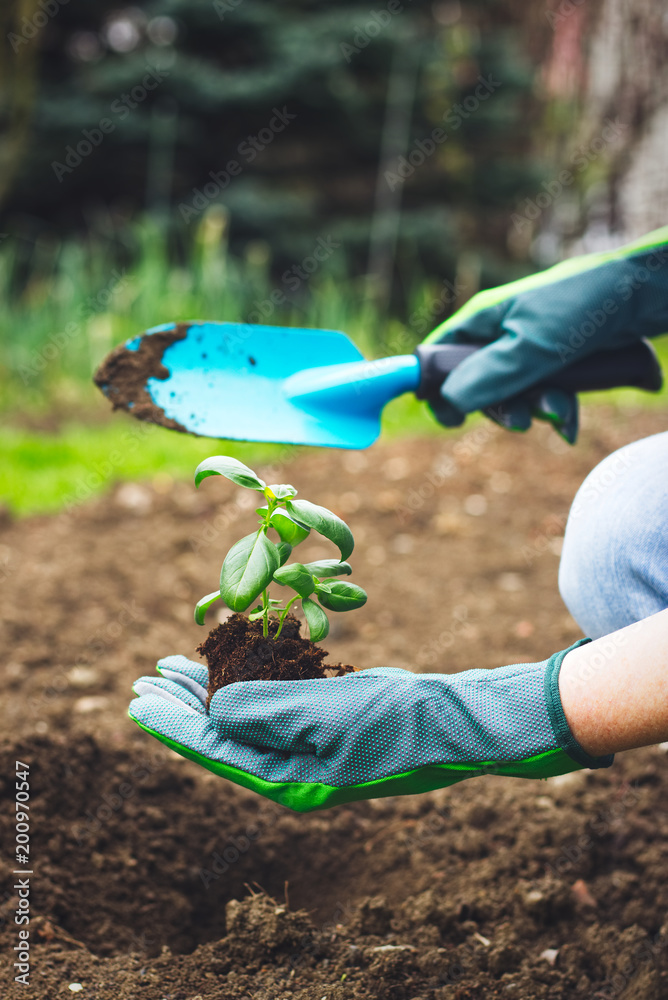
{"x": 123, "y": 375}
{"x": 153, "y": 878}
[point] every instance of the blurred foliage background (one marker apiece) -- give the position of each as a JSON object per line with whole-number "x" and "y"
{"x": 179, "y": 159}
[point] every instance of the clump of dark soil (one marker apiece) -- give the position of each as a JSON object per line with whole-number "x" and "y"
{"x": 237, "y": 650}
{"x": 123, "y": 375}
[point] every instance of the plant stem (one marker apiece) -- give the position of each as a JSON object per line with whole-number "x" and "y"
{"x": 271, "y": 507}
{"x": 281, "y": 617}
{"x": 265, "y": 613}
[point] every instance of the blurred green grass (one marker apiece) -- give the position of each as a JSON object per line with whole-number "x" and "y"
{"x": 66, "y": 305}
{"x": 42, "y": 473}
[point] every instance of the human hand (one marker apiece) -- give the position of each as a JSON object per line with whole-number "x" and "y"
{"x": 533, "y": 328}
{"x": 312, "y": 744}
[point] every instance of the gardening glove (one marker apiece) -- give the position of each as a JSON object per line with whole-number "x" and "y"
{"x": 542, "y": 323}
{"x": 311, "y": 744}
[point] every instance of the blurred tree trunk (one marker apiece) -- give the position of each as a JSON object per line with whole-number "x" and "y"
{"x": 19, "y": 31}
{"x": 626, "y": 81}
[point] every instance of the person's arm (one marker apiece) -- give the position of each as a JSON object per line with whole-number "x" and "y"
{"x": 317, "y": 743}
{"x": 614, "y": 691}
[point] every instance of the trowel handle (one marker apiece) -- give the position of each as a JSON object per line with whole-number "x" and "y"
{"x": 636, "y": 366}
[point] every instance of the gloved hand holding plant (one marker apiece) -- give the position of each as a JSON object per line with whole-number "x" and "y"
{"x": 319, "y": 741}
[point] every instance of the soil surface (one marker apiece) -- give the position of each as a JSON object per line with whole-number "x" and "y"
{"x": 236, "y": 650}
{"x": 153, "y": 878}
{"x": 123, "y": 375}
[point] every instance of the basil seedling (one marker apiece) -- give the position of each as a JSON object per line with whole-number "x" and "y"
{"x": 256, "y": 561}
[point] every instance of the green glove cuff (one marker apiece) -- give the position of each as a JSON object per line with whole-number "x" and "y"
{"x": 562, "y": 730}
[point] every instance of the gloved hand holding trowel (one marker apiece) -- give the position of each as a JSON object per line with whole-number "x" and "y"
{"x": 538, "y": 327}
{"x": 311, "y": 744}
{"x": 524, "y": 348}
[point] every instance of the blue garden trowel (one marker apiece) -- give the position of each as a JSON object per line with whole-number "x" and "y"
{"x": 268, "y": 383}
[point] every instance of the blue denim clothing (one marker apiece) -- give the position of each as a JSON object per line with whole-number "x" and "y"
{"x": 614, "y": 564}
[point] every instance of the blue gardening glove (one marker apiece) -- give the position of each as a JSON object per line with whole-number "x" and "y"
{"x": 318, "y": 743}
{"x": 540, "y": 324}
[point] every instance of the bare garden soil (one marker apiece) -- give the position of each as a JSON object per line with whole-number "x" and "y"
{"x": 155, "y": 879}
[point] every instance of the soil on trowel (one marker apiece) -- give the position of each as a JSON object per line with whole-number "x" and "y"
{"x": 123, "y": 375}
{"x": 237, "y": 650}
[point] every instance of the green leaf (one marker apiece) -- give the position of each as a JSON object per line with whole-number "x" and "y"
{"x": 329, "y": 567}
{"x": 324, "y": 522}
{"x": 288, "y": 530}
{"x": 316, "y": 619}
{"x": 248, "y": 568}
{"x": 280, "y": 491}
{"x": 341, "y": 595}
{"x": 296, "y": 576}
{"x": 223, "y": 465}
{"x": 284, "y": 550}
{"x": 204, "y": 604}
